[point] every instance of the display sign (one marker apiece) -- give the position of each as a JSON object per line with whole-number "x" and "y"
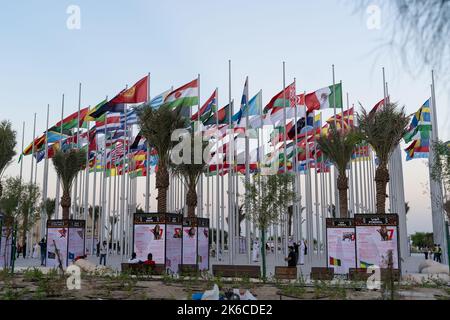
{"x": 57, "y": 239}
{"x": 174, "y": 234}
{"x": 203, "y": 244}
{"x": 189, "y": 241}
{"x": 150, "y": 236}
{"x": 76, "y": 242}
{"x": 341, "y": 244}
{"x": 376, "y": 235}
{"x": 6, "y": 240}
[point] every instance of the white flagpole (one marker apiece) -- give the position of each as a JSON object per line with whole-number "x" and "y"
{"x": 147, "y": 177}
{"x": 218, "y": 213}
{"x": 58, "y": 182}
{"x": 45, "y": 179}
{"x": 316, "y": 190}
{"x": 439, "y": 235}
{"x": 230, "y": 174}
{"x": 75, "y": 206}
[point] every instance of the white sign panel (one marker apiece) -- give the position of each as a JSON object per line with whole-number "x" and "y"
{"x": 189, "y": 245}
{"x": 173, "y": 247}
{"x": 58, "y": 236}
{"x": 341, "y": 249}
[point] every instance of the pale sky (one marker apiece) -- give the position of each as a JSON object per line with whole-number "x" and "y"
{"x": 121, "y": 41}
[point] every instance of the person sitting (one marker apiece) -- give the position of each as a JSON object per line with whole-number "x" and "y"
{"x": 133, "y": 259}
{"x": 149, "y": 260}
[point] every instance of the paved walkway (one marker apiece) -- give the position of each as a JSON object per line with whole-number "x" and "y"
{"x": 409, "y": 266}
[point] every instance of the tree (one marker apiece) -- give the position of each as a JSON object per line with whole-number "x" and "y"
{"x": 383, "y": 130}
{"x": 19, "y": 202}
{"x": 338, "y": 147}
{"x": 49, "y": 206}
{"x": 422, "y": 240}
{"x": 157, "y": 126}
{"x": 290, "y": 216}
{"x": 440, "y": 168}
{"x": 67, "y": 165}
{"x": 7, "y": 145}
{"x": 267, "y": 196}
{"x": 191, "y": 170}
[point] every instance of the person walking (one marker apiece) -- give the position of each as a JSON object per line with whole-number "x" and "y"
{"x": 439, "y": 253}
{"x": 24, "y": 249}
{"x": 35, "y": 250}
{"x": 43, "y": 249}
{"x": 425, "y": 252}
{"x": 97, "y": 251}
{"x": 103, "y": 253}
{"x": 291, "y": 258}
{"x": 302, "y": 252}
{"x": 296, "y": 246}
{"x": 255, "y": 250}
{"x": 435, "y": 249}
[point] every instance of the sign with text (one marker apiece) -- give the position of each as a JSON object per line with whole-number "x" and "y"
{"x": 341, "y": 244}
{"x": 376, "y": 236}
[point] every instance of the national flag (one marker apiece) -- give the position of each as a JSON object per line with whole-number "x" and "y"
{"x": 378, "y": 106}
{"x": 364, "y": 264}
{"x": 183, "y": 97}
{"x": 254, "y": 105}
{"x": 420, "y": 122}
{"x": 323, "y": 98}
{"x": 285, "y": 98}
{"x": 335, "y": 262}
{"x": 89, "y": 116}
{"x": 220, "y": 117}
{"x": 136, "y": 94}
{"x": 71, "y": 121}
{"x": 111, "y": 122}
{"x": 205, "y": 111}
{"x": 157, "y": 101}
{"x": 244, "y": 103}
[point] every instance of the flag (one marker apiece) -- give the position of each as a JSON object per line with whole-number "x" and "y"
{"x": 89, "y": 116}
{"x": 244, "y": 104}
{"x": 221, "y": 117}
{"x": 364, "y": 264}
{"x": 71, "y": 121}
{"x": 322, "y": 98}
{"x": 157, "y": 101}
{"x": 420, "y": 122}
{"x": 111, "y": 122}
{"x": 137, "y": 93}
{"x": 205, "y": 111}
{"x": 378, "y": 106}
{"x": 107, "y": 107}
{"x": 285, "y": 98}
{"x": 183, "y": 97}
{"x": 335, "y": 262}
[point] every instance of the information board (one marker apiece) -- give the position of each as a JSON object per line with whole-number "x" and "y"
{"x": 174, "y": 234}
{"x": 203, "y": 244}
{"x": 341, "y": 244}
{"x": 376, "y": 235}
{"x": 189, "y": 241}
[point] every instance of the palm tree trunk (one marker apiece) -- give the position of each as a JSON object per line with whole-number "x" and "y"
{"x": 342, "y": 185}
{"x": 381, "y": 180}
{"x": 191, "y": 201}
{"x": 65, "y": 205}
{"x": 263, "y": 252}
{"x": 162, "y": 184}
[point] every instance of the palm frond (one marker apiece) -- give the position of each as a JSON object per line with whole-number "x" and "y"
{"x": 7, "y": 145}
{"x": 68, "y": 164}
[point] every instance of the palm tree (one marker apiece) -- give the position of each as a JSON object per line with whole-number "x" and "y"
{"x": 48, "y": 206}
{"x": 383, "y": 130}
{"x": 157, "y": 126}
{"x": 191, "y": 173}
{"x": 67, "y": 165}
{"x": 7, "y": 145}
{"x": 338, "y": 147}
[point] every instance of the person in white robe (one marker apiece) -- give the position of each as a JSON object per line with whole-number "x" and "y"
{"x": 255, "y": 251}
{"x": 301, "y": 252}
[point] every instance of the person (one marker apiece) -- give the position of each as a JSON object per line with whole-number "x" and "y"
{"x": 255, "y": 250}
{"x": 103, "y": 252}
{"x": 306, "y": 247}
{"x": 295, "y": 245}
{"x": 291, "y": 258}
{"x": 430, "y": 254}
{"x": 43, "y": 249}
{"x": 302, "y": 252}
{"x": 35, "y": 250}
{"x": 149, "y": 260}
{"x": 157, "y": 232}
{"x": 439, "y": 253}
{"x": 19, "y": 250}
{"x": 435, "y": 252}
{"x": 98, "y": 249}
{"x": 133, "y": 258}
{"x": 425, "y": 252}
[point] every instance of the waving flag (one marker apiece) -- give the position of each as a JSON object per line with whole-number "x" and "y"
{"x": 285, "y": 98}
{"x": 205, "y": 111}
{"x": 157, "y": 101}
{"x": 220, "y": 117}
{"x": 323, "y": 98}
{"x": 183, "y": 97}
{"x": 419, "y": 132}
{"x": 136, "y": 94}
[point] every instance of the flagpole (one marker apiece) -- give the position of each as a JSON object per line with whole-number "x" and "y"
{"x": 75, "y": 206}
{"x": 58, "y": 180}
{"x": 439, "y": 234}
{"x": 45, "y": 179}
{"x": 94, "y": 193}
{"x": 147, "y": 177}
{"x": 230, "y": 174}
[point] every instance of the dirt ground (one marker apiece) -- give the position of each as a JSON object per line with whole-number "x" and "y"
{"x": 33, "y": 285}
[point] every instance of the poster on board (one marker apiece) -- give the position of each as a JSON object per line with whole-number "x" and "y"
{"x": 174, "y": 234}
{"x": 376, "y": 235}
{"x": 57, "y": 234}
{"x": 189, "y": 241}
{"x": 150, "y": 236}
{"x": 341, "y": 244}
{"x": 5, "y": 247}
{"x": 203, "y": 244}
{"x": 76, "y": 239}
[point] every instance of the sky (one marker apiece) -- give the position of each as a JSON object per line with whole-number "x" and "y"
{"x": 119, "y": 42}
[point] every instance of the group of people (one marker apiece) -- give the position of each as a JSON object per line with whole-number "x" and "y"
{"x": 39, "y": 249}
{"x": 135, "y": 260}
{"x": 435, "y": 253}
